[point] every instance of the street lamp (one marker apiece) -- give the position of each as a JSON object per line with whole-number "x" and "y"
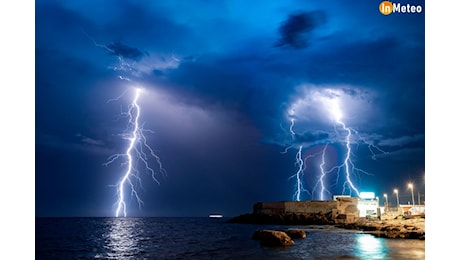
{"x": 397, "y": 197}
{"x": 411, "y": 187}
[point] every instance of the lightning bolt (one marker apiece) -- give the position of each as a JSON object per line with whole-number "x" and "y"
{"x": 323, "y": 172}
{"x": 348, "y": 137}
{"x": 370, "y": 145}
{"x": 348, "y": 165}
{"x": 137, "y": 152}
{"x": 347, "y": 162}
{"x": 299, "y": 175}
{"x": 299, "y": 187}
{"x": 124, "y": 65}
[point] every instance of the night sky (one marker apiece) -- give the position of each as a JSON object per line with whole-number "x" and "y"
{"x": 221, "y": 83}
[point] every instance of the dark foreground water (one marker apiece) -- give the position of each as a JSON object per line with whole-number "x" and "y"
{"x": 203, "y": 238}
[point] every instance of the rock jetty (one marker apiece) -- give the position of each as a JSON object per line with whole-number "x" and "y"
{"x": 396, "y": 227}
{"x": 399, "y": 227}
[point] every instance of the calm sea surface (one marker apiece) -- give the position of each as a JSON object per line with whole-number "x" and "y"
{"x": 203, "y": 238}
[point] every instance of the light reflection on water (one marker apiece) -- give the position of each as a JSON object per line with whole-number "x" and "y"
{"x": 370, "y": 247}
{"x": 411, "y": 249}
{"x": 202, "y": 238}
{"x": 333, "y": 243}
{"x": 122, "y": 238}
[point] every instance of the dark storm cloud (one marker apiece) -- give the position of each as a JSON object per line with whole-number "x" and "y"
{"x": 216, "y": 80}
{"x": 368, "y": 62}
{"x": 411, "y": 154}
{"x": 120, "y": 49}
{"x": 352, "y": 61}
{"x": 151, "y": 27}
{"x": 90, "y": 141}
{"x": 350, "y": 91}
{"x": 294, "y": 31}
{"x": 218, "y": 93}
{"x": 158, "y": 73}
{"x": 403, "y": 140}
{"x": 56, "y": 18}
{"x": 70, "y": 144}
{"x": 259, "y": 82}
{"x": 311, "y": 137}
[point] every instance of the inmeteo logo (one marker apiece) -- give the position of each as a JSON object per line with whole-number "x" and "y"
{"x": 387, "y": 7}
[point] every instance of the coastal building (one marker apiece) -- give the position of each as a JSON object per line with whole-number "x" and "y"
{"x": 368, "y": 205}
{"x": 343, "y": 209}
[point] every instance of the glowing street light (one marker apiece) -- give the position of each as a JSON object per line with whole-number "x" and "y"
{"x": 411, "y": 187}
{"x": 397, "y": 197}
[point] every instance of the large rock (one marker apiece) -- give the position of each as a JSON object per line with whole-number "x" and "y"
{"x": 272, "y": 238}
{"x": 296, "y": 233}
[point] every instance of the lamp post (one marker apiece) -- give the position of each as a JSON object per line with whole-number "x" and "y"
{"x": 397, "y": 201}
{"x": 386, "y": 201}
{"x": 411, "y": 187}
{"x": 397, "y": 197}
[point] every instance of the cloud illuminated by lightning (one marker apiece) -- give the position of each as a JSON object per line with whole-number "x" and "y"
{"x": 137, "y": 154}
{"x": 320, "y": 103}
{"x": 135, "y": 62}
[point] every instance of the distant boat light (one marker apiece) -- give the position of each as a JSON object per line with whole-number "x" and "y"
{"x": 215, "y": 216}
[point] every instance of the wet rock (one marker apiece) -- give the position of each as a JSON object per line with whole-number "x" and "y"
{"x": 296, "y": 233}
{"x": 272, "y": 238}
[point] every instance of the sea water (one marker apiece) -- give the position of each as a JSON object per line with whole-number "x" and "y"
{"x": 204, "y": 238}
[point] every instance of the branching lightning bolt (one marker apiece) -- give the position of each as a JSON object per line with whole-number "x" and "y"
{"x": 345, "y": 135}
{"x": 135, "y": 153}
{"x": 348, "y": 164}
{"x": 299, "y": 174}
{"x": 370, "y": 145}
{"x": 138, "y": 153}
{"x": 322, "y": 176}
{"x": 300, "y": 163}
{"x": 125, "y": 66}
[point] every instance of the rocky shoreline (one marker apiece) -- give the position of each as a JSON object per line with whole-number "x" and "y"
{"x": 413, "y": 228}
{"x": 386, "y": 227}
